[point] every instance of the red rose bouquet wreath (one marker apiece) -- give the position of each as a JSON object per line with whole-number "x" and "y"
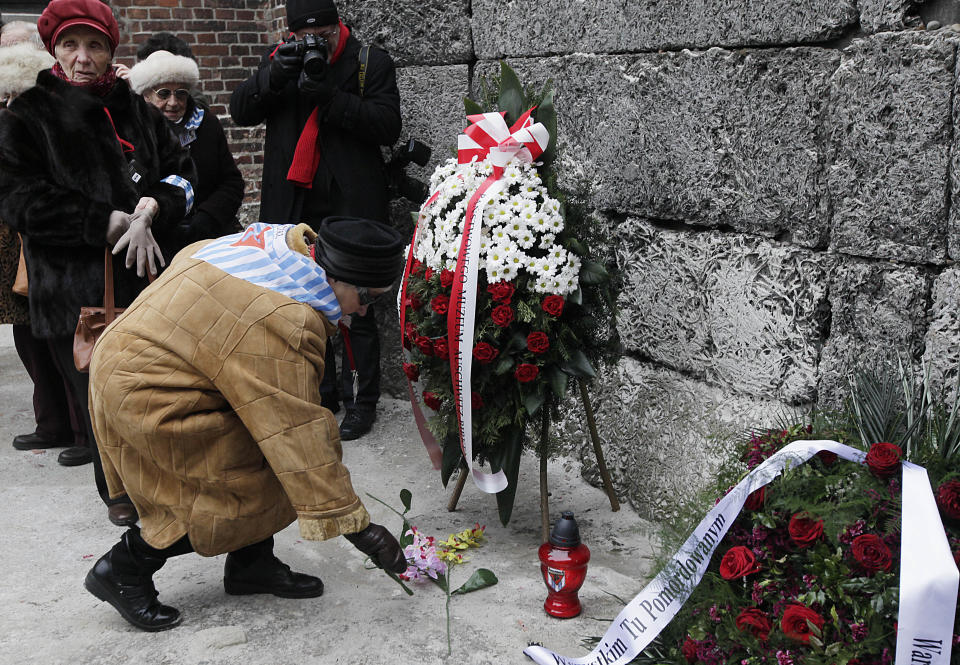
{"x": 810, "y": 573}
{"x": 501, "y": 301}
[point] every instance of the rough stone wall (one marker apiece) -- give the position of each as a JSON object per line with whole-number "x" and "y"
{"x": 777, "y": 179}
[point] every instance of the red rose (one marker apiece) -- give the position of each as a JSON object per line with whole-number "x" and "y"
{"x": 794, "y": 622}
{"x": 428, "y": 273}
{"x": 446, "y": 278}
{"x": 689, "y": 650}
{"x": 424, "y": 344}
{"x": 410, "y": 331}
{"x": 526, "y": 372}
{"x": 871, "y": 553}
{"x": 439, "y": 304}
{"x": 538, "y": 342}
{"x": 754, "y": 621}
{"x": 502, "y": 315}
{"x": 883, "y": 459}
{"x": 948, "y": 498}
{"x": 755, "y": 500}
{"x": 552, "y": 305}
{"x": 416, "y": 267}
{"x": 738, "y": 562}
{"x": 475, "y": 400}
{"x": 440, "y": 348}
{"x": 804, "y": 531}
{"x": 412, "y": 371}
{"x": 412, "y": 300}
{"x": 501, "y": 291}
{"x": 827, "y": 457}
{"x": 484, "y": 353}
{"x": 431, "y": 400}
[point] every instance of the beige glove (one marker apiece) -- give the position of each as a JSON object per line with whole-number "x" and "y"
{"x": 140, "y": 244}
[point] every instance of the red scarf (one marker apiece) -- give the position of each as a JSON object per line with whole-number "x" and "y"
{"x": 100, "y": 87}
{"x": 306, "y": 158}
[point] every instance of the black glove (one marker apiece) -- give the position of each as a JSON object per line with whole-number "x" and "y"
{"x": 285, "y": 66}
{"x": 380, "y": 545}
{"x": 318, "y": 90}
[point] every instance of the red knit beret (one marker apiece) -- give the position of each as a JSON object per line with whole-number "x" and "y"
{"x": 61, "y": 14}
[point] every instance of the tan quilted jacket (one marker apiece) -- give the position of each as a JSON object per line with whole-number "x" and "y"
{"x": 204, "y": 399}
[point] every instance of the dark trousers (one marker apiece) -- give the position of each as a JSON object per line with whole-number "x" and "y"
{"x": 365, "y": 343}
{"x": 312, "y": 207}
{"x": 141, "y": 549}
{"x": 54, "y": 407}
{"x": 78, "y": 383}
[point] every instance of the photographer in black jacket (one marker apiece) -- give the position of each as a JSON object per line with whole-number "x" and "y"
{"x": 322, "y": 157}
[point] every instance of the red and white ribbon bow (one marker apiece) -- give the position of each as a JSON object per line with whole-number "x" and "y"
{"x": 488, "y": 136}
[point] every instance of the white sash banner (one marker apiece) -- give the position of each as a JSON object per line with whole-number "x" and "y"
{"x": 461, "y": 319}
{"x": 928, "y": 575}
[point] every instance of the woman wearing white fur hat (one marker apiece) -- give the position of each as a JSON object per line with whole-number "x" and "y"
{"x": 166, "y": 81}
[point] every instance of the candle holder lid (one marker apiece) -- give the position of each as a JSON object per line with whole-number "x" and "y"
{"x": 565, "y": 532}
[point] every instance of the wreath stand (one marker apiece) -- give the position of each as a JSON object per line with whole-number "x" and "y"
{"x": 544, "y": 493}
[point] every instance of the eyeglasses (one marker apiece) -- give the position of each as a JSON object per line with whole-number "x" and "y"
{"x": 364, "y": 297}
{"x": 164, "y": 93}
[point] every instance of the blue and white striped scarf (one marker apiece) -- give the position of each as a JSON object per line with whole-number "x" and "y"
{"x": 260, "y": 255}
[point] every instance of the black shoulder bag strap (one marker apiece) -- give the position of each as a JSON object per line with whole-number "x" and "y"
{"x": 362, "y": 76}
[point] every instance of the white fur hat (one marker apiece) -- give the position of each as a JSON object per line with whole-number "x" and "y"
{"x": 19, "y": 66}
{"x": 163, "y": 67}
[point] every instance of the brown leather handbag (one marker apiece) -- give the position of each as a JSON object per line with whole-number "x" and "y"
{"x": 20, "y": 281}
{"x": 94, "y": 320}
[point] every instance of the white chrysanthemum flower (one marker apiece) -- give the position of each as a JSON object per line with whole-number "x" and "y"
{"x": 526, "y": 239}
{"x": 515, "y": 227}
{"x": 547, "y": 240}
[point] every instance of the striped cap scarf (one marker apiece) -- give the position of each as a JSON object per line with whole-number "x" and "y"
{"x": 260, "y": 255}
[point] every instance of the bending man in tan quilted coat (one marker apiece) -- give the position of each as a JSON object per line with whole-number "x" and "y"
{"x": 204, "y": 399}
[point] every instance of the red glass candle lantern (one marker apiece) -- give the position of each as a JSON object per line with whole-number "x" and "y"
{"x": 563, "y": 563}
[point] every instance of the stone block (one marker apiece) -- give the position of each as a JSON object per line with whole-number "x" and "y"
{"x": 713, "y": 138}
{"x": 941, "y": 353}
{"x": 663, "y": 434}
{"x": 878, "y": 313}
{"x": 878, "y": 15}
{"x": 431, "y": 102}
{"x": 414, "y": 32}
{"x": 889, "y": 132}
{"x": 563, "y": 27}
{"x": 953, "y": 226}
{"x": 733, "y": 310}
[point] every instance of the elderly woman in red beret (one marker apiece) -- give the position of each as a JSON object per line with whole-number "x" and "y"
{"x": 84, "y": 164}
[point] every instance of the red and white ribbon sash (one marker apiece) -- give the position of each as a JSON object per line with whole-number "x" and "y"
{"x": 429, "y": 441}
{"x": 489, "y": 138}
{"x": 928, "y": 575}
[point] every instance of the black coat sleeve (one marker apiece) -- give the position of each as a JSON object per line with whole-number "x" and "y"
{"x": 374, "y": 117}
{"x": 172, "y": 160}
{"x": 253, "y": 100}
{"x": 224, "y": 200}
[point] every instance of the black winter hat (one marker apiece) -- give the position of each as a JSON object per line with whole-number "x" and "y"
{"x": 303, "y": 13}
{"x": 361, "y": 252}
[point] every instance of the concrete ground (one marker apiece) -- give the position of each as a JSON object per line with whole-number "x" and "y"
{"x": 54, "y": 527}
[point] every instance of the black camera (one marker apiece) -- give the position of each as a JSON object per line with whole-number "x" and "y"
{"x": 313, "y": 49}
{"x": 402, "y": 185}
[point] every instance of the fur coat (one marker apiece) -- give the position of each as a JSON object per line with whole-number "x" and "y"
{"x": 62, "y": 172}
{"x": 205, "y": 404}
{"x": 19, "y": 65}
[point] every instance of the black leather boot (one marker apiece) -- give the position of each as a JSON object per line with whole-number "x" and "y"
{"x": 123, "y": 578}
{"x": 255, "y": 569}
